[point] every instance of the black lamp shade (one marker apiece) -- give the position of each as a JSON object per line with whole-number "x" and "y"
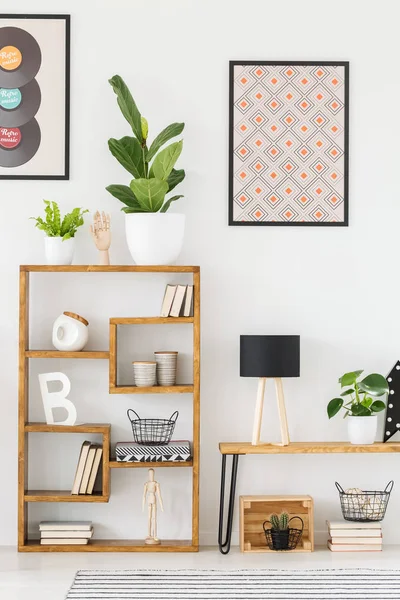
{"x": 269, "y": 355}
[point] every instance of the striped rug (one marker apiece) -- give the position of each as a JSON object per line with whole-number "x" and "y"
{"x": 236, "y": 585}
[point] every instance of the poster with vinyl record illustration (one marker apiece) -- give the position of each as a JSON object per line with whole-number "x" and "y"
{"x": 34, "y": 96}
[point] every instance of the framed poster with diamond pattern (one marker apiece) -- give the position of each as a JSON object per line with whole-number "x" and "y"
{"x": 288, "y": 144}
{"x": 34, "y": 96}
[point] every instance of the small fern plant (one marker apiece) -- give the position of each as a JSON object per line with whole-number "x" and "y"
{"x": 54, "y": 226}
{"x": 280, "y": 522}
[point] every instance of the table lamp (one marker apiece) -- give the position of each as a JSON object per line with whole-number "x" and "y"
{"x": 266, "y": 357}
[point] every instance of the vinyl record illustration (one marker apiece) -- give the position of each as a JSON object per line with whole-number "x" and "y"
{"x": 19, "y": 144}
{"x": 20, "y": 57}
{"x": 19, "y": 105}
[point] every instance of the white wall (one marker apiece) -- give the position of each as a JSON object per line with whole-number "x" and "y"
{"x": 337, "y": 288}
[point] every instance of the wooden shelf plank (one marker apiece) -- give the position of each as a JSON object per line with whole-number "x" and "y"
{"x": 61, "y": 496}
{"x": 115, "y": 464}
{"x": 99, "y": 354}
{"x": 83, "y": 428}
{"x": 150, "y": 320}
{"x": 156, "y": 389}
{"x": 306, "y": 448}
{"x": 113, "y": 546}
{"x": 110, "y": 269}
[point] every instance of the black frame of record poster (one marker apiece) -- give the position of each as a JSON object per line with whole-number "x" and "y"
{"x": 64, "y": 174}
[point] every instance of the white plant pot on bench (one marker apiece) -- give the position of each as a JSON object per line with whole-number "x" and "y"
{"x": 362, "y": 430}
{"x": 155, "y": 238}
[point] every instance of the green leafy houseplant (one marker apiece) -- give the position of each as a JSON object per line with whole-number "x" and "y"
{"x": 359, "y": 399}
{"x": 152, "y": 169}
{"x": 54, "y": 226}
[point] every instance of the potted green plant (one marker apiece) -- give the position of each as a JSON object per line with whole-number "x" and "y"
{"x": 60, "y": 232}
{"x": 153, "y": 235}
{"x": 280, "y": 535}
{"x": 359, "y": 401}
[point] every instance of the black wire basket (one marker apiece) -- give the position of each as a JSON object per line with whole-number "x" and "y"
{"x": 283, "y": 540}
{"x": 365, "y": 506}
{"x": 152, "y": 432}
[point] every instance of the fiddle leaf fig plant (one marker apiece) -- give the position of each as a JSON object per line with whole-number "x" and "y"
{"x": 152, "y": 169}
{"x": 359, "y": 399}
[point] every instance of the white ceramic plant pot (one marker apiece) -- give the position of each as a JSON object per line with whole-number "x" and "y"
{"x": 59, "y": 252}
{"x": 155, "y": 238}
{"x": 70, "y": 332}
{"x": 362, "y": 430}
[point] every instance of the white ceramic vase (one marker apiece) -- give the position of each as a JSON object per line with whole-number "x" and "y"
{"x": 155, "y": 238}
{"x": 70, "y": 332}
{"x": 362, "y": 430}
{"x": 59, "y": 252}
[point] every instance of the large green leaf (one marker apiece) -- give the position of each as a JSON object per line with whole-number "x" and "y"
{"x": 150, "y": 193}
{"x": 347, "y": 392}
{"x": 358, "y": 410}
{"x": 169, "y": 202}
{"x": 128, "y": 153}
{"x": 130, "y": 209}
{"x": 124, "y": 194}
{"x": 349, "y": 378}
{"x": 164, "y": 161}
{"x": 334, "y": 406}
{"x": 127, "y": 105}
{"x": 377, "y": 406}
{"x": 374, "y": 384}
{"x": 163, "y": 137}
{"x": 175, "y": 177}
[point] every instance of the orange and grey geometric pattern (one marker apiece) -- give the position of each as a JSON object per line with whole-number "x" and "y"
{"x": 289, "y": 143}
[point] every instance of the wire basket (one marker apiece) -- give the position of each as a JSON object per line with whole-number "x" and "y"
{"x": 283, "y": 540}
{"x": 152, "y": 432}
{"x": 365, "y": 506}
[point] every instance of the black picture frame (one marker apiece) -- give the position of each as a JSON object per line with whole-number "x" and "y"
{"x": 67, "y": 19}
{"x": 317, "y": 63}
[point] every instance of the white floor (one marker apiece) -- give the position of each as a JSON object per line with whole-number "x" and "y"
{"x": 48, "y": 576}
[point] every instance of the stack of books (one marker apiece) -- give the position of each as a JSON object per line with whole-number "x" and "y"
{"x": 354, "y": 536}
{"x": 65, "y": 533}
{"x": 178, "y": 301}
{"x": 87, "y": 469}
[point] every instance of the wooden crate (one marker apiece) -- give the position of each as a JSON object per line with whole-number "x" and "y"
{"x": 254, "y": 510}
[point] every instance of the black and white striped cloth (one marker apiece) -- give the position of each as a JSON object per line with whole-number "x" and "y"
{"x": 333, "y": 584}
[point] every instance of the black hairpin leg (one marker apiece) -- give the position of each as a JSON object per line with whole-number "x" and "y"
{"x": 225, "y": 546}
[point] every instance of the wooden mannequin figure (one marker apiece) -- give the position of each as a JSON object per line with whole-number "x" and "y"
{"x": 101, "y": 234}
{"x": 151, "y": 493}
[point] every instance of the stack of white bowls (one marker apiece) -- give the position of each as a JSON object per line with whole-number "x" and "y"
{"x": 144, "y": 373}
{"x": 166, "y": 367}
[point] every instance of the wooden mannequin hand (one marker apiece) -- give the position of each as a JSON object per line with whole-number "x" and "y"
{"x": 101, "y": 234}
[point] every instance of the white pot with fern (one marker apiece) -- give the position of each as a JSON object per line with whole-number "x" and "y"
{"x": 154, "y": 237}
{"x": 59, "y": 243}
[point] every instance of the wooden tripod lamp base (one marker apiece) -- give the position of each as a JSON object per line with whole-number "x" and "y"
{"x": 281, "y": 410}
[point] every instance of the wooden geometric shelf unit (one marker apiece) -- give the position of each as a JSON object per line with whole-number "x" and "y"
{"x": 156, "y": 389}
{"x": 254, "y": 510}
{"x": 25, "y": 497}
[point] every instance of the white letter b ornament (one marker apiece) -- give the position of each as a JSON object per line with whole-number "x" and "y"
{"x": 57, "y": 399}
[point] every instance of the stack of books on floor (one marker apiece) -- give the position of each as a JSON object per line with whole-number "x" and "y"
{"x": 354, "y": 536}
{"x": 178, "y": 301}
{"x": 87, "y": 469}
{"x": 65, "y": 533}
